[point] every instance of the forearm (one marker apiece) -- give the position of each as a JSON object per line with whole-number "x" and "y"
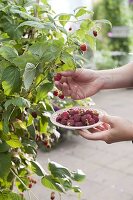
{"x": 121, "y": 77}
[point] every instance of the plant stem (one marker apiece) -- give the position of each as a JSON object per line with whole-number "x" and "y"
{"x": 59, "y": 196}
{"x": 23, "y": 184}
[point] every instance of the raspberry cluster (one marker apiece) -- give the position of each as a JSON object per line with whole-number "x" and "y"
{"x": 78, "y": 117}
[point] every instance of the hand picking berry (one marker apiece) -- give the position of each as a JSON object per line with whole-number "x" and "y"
{"x": 57, "y": 77}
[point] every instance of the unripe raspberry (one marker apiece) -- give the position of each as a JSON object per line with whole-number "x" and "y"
{"x": 70, "y": 28}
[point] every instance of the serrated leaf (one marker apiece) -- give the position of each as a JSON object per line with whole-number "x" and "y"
{"x": 49, "y": 182}
{"x": 58, "y": 170}
{"x": 68, "y": 60}
{"x": 5, "y": 164}
{"x": 8, "y": 195}
{"x": 17, "y": 101}
{"x": 43, "y": 124}
{"x": 14, "y": 141}
{"x": 29, "y": 75}
{"x": 103, "y": 21}
{"x": 27, "y": 57}
{"x": 5, "y": 119}
{"x": 8, "y": 53}
{"x": 23, "y": 14}
{"x": 91, "y": 41}
{"x": 3, "y": 147}
{"x": 64, "y": 18}
{"x": 37, "y": 168}
{"x": 43, "y": 90}
{"x": 38, "y": 25}
{"x": 78, "y": 175}
{"x": 11, "y": 80}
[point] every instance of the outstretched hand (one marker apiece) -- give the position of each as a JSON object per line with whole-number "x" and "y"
{"x": 79, "y": 84}
{"x": 115, "y": 129}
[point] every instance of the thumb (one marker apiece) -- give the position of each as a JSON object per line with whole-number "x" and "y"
{"x": 108, "y": 119}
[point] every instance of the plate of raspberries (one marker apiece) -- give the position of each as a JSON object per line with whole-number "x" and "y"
{"x": 77, "y": 118}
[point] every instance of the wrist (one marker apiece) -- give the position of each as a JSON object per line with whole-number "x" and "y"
{"x": 106, "y": 78}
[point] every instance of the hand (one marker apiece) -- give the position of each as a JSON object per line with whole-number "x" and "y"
{"x": 80, "y": 84}
{"x": 119, "y": 130}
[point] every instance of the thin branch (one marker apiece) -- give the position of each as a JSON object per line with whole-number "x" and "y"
{"x": 23, "y": 183}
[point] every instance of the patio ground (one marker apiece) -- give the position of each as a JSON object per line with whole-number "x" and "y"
{"x": 108, "y": 167}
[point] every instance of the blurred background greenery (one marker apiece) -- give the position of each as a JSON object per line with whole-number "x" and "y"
{"x": 113, "y": 51}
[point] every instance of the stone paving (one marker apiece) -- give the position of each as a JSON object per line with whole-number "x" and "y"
{"x": 108, "y": 167}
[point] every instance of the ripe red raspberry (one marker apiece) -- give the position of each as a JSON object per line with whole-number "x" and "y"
{"x": 30, "y": 185}
{"x": 83, "y": 47}
{"x": 70, "y": 28}
{"x": 78, "y": 124}
{"x": 55, "y": 93}
{"x": 96, "y": 118}
{"x": 65, "y": 115}
{"x": 57, "y": 77}
{"x": 64, "y": 121}
{"x": 95, "y": 33}
{"x": 70, "y": 122}
{"x": 76, "y": 117}
{"x": 91, "y": 122}
{"x": 58, "y": 119}
{"x": 34, "y": 114}
{"x": 61, "y": 96}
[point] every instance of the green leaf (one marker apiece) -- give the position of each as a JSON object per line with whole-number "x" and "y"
{"x": 58, "y": 170}
{"x": 23, "y": 14}
{"x": 3, "y": 147}
{"x": 49, "y": 182}
{"x": 78, "y": 176}
{"x": 11, "y": 80}
{"x": 8, "y": 53}
{"x": 18, "y": 101}
{"x": 103, "y": 21}
{"x": 47, "y": 51}
{"x": 8, "y": 195}
{"x": 5, "y": 164}
{"x": 38, "y": 25}
{"x": 87, "y": 25}
{"x": 6, "y": 117}
{"x": 76, "y": 189}
{"x": 64, "y": 18}
{"x": 82, "y": 11}
{"x": 14, "y": 141}
{"x": 37, "y": 168}
{"x": 29, "y": 75}
{"x": 68, "y": 60}
{"x": 27, "y": 57}
{"x": 43, "y": 124}
{"x": 91, "y": 41}
{"x": 43, "y": 90}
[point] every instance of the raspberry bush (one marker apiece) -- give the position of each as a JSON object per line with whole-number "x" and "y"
{"x": 34, "y": 46}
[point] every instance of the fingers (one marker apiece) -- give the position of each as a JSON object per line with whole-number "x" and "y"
{"x": 108, "y": 120}
{"x": 94, "y": 136}
{"x": 67, "y": 73}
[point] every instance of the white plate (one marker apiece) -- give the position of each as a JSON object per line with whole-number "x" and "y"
{"x": 55, "y": 115}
